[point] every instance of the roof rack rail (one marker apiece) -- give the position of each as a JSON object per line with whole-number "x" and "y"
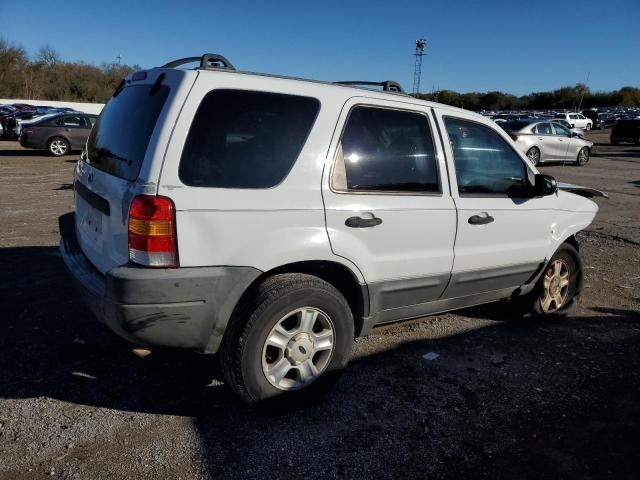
{"x": 208, "y": 60}
{"x": 387, "y": 85}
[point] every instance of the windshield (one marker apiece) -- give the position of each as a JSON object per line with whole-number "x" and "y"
{"x": 119, "y": 139}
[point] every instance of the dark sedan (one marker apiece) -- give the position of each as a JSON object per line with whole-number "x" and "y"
{"x": 60, "y": 134}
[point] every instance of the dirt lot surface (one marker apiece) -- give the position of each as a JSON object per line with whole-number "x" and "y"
{"x": 505, "y": 398}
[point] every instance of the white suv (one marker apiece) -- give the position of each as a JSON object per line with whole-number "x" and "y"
{"x": 274, "y": 219}
{"x": 576, "y": 120}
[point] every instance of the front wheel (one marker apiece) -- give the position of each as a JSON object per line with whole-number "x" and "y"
{"x": 583, "y": 157}
{"x": 588, "y": 127}
{"x": 58, "y": 146}
{"x": 534, "y": 155}
{"x": 292, "y": 336}
{"x": 558, "y": 287}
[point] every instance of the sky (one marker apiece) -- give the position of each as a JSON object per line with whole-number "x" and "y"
{"x": 515, "y": 46}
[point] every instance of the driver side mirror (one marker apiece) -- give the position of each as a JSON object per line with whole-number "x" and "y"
{"x": 544, "y": 185}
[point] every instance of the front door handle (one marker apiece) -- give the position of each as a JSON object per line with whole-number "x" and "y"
{"x": 359, "y": 222}
{"x": 481, "y": 219}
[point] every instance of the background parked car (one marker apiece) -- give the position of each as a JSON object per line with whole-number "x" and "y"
{"x": 626, "y": 131}
{"x": 549, "y": 141}
{"x": 34, "y": 117}
{"x": 576, "y": 120}
{"x": 7, "y": 119}
{"x": 59, "y": 134}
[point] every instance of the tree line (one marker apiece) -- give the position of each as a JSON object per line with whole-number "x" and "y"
{"x": 561, "y": 98}
{"x": 47, "y": 77}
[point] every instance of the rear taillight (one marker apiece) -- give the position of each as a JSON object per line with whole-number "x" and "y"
{"x": 152, "y": 232}
{"x": 27, "y": 130}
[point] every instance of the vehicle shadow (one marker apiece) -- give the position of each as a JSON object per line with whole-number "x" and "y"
{"x": 392, "y": 413}
{"x": 631, "y": 154}
{"x": 21, "y": 153}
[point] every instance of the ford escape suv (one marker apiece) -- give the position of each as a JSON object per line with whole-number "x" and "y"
{"x": 274, "y": 219}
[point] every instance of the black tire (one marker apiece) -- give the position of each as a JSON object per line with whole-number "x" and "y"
{"x": 584, "y": 155}
{"x": 58, "y": 146}
{"x": 241, "y": 352}
{"x": 533, "y": 154}
{"x": 531, "y": 304}
{"x": 588, "y": 127}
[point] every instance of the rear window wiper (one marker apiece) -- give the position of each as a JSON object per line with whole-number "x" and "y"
{"x": 105, "y": 152}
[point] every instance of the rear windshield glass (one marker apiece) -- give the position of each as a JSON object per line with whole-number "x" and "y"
{"x": 119, "y": 139}
{"x": 245, "y": 139}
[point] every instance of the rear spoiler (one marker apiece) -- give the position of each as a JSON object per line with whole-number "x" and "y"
{"x": 582, "y": 191}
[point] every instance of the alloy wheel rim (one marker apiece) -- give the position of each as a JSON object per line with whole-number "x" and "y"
{"x": 58, "y": 147}
{"x": 533, "y": 155}
{"x": 556, "y": 286}
{"x": 298, "y": 348}
{"x": 583, "y": 157}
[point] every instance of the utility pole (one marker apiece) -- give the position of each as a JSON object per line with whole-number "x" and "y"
{"x": 118, "y": 57}
{"x": 584, "y": 90}
{"x": 421, "y": 44}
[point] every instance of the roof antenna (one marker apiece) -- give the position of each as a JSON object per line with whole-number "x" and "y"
{"x": 584, "y": 90}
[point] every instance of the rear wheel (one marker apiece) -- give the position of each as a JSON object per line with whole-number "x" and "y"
{"x": 533, "y": 154}
{"x": 58, "y": 146}
{"x": 588, "y": 127}
{"x": 291, "y": 337}
{"x": 583, "y": 157}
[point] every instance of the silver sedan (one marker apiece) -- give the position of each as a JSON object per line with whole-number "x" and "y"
{"x": 548, "y": 141}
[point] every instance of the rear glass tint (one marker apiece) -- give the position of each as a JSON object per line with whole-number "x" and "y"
{"x": 245, "y": 139}
{"x": 121, "y": 134}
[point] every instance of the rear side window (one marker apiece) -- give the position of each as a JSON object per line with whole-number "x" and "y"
{"x": 121, "y": 134}
{"x": 386, "y": 150}
{"x": 245, "y": 139}
{"x": 72, "y": 121}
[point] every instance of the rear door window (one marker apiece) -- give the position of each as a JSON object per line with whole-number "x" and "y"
{"x": 245, "y": 139}
{"x": 72, "y": 121}
{"x": 119, "y": 140}
{"x": 544, "y": 129}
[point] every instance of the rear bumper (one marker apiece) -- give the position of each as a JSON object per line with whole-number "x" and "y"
{"x": 177, "y": 307}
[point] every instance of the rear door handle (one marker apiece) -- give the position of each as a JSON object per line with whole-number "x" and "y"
{"x": 481, "y": 219}
{"x": 359, "y": 222}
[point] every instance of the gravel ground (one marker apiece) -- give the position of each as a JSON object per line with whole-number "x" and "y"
{"x": 505, "y": 398}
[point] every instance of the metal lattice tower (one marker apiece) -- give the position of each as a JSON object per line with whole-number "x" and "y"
{"x": 421, "y": 44}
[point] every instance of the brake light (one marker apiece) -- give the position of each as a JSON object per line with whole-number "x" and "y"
{"x": 152, "y": 232}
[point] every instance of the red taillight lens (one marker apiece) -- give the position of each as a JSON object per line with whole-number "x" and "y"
{"x": 152, "y": 232}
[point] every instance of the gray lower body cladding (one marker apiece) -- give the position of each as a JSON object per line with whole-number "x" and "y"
{"x": 177, "y": 307}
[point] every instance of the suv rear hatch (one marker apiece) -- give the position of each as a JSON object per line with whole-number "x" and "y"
{"x": 122, "y": 159}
